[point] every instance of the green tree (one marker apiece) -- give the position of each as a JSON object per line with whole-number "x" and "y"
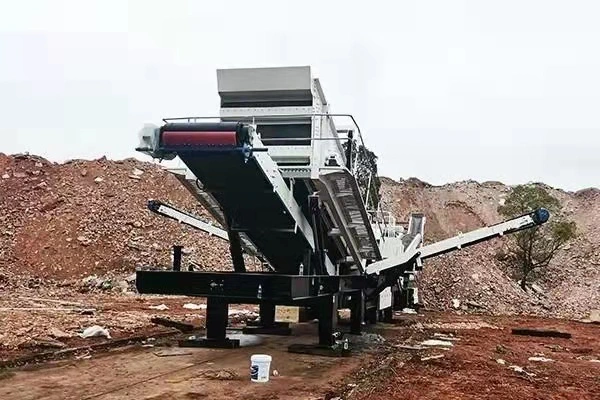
{"x": 533, "y": 249}
{"x": 366, "y": 173}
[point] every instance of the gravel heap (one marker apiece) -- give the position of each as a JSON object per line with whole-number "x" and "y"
{"x": 81, "y": 218}
{"x": 87, "y": 222}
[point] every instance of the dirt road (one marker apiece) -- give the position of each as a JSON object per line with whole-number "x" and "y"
{"x": 481, "y": 363}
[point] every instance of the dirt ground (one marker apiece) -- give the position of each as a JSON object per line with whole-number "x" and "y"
{"x": 141, "y": 373}
{"x": 482, "y": 363}
{"x": 35, "y": 322}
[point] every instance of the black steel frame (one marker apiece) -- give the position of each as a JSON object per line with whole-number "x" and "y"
{"x": 319, "y": 292}
{"x": 310, "y": 287}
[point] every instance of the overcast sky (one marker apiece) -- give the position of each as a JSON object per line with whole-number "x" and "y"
{"x": 443, "y": 90}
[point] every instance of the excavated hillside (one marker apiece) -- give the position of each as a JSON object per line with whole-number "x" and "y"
{"x": 476, "y": 276}
{"x": 64, "y": 222}
{"x": 68, "y": 221}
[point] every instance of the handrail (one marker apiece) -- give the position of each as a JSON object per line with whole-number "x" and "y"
{"x": 275, "y": 116}
{"x": 300, "y": 139}
{"x": 166, "y": 120}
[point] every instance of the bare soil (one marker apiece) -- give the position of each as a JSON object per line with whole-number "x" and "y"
{"x": 470, "y": 370}
{"x": 34, "y": 323}
{"x": 200, "y": 373}
{"x": 390, "y": 370}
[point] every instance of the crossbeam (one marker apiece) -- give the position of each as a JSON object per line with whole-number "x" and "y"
{"x": 248, "y": 287}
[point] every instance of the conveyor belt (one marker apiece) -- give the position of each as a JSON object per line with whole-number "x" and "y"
{"x": 249, "y": 189}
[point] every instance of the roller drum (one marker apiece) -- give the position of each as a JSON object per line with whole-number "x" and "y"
{"x": 220, "y": 134}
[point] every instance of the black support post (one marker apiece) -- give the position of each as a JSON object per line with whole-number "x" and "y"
{"x": 235, "y": 247}
{"x": 177, "y": 250}
{"x": 267, "y": 314}
{"x": 318, "y": 234}
{"x": 306, "y": 314}
{"x": 327, "y": 320}
{"x": 371, "y": 314}
{"x": 329, "y": 343}
{"x": 388, "y": 315}
{"x": 216, "y": 318}
{"x": 266, "y": 324}
{"x": 216, "y": 327}
{"x": 357, "y": 312}
{"x": 349, "y": 154}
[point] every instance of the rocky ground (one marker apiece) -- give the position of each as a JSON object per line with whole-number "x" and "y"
{"x": 37, "y": 321}
{"x": 77, "y": 231}
{"x": 478, "y": 357}
{"x": 426, "y": 356}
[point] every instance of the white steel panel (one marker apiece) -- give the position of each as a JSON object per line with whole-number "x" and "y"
{"x": 296, "y": 154}
{"x": 264, "y": 79}
{"x": 407, "y": 256}
{"x": 385, "y": 298}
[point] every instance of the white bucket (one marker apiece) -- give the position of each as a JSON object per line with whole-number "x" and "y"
{"x": 260, "y": 364}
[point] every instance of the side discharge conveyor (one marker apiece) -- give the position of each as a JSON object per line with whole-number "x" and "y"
{"x": 458, "y": 242}
{"x": 182, "y": 217}
{"x": 185, "y": 218}
{"x": 281, "y": 176}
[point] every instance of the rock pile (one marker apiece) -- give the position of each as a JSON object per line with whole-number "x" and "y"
{"x": 72, "y": 220}
{"x": 474, "y": 277}
{"x": 85, "y": 224}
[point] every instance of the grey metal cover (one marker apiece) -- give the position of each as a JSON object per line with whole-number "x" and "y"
{"x": 243, "y": 85}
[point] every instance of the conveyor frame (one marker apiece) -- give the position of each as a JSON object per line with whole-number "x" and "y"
{"x": 336, "y": 253}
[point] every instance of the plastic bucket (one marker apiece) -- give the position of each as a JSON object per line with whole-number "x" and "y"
{"x": 260, "y": 364}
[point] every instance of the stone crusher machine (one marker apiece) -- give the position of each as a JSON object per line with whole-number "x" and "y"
{"x": 280, "y": 178}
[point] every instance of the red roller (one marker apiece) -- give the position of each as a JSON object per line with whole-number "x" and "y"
{"x": 199, "y": 138}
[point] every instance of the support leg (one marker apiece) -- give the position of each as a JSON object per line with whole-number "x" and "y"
{"x": 357, "y": 312}
{"x": 327, "y": 314}
{"x": 388, "y": 315}
{"x": 216, "y": 327}
{"x": 306, "y": 314}
{"x": 235, "y": 248}
{"x": 177, "y": 251}
{"x": 317, "y": 226}
{"x": 327, "y": 320}
{"x": 371, "y": 314}
{"x": 267, "y": 314}
{"x": 216, "y": 318}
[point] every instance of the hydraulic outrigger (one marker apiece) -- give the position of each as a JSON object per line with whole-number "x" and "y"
{"x": 273, "y": 172}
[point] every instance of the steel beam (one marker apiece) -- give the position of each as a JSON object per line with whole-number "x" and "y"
{"x": 247, "y": 288}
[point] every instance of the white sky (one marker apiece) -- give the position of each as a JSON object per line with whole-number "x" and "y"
{"x": 443, "y": 90}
